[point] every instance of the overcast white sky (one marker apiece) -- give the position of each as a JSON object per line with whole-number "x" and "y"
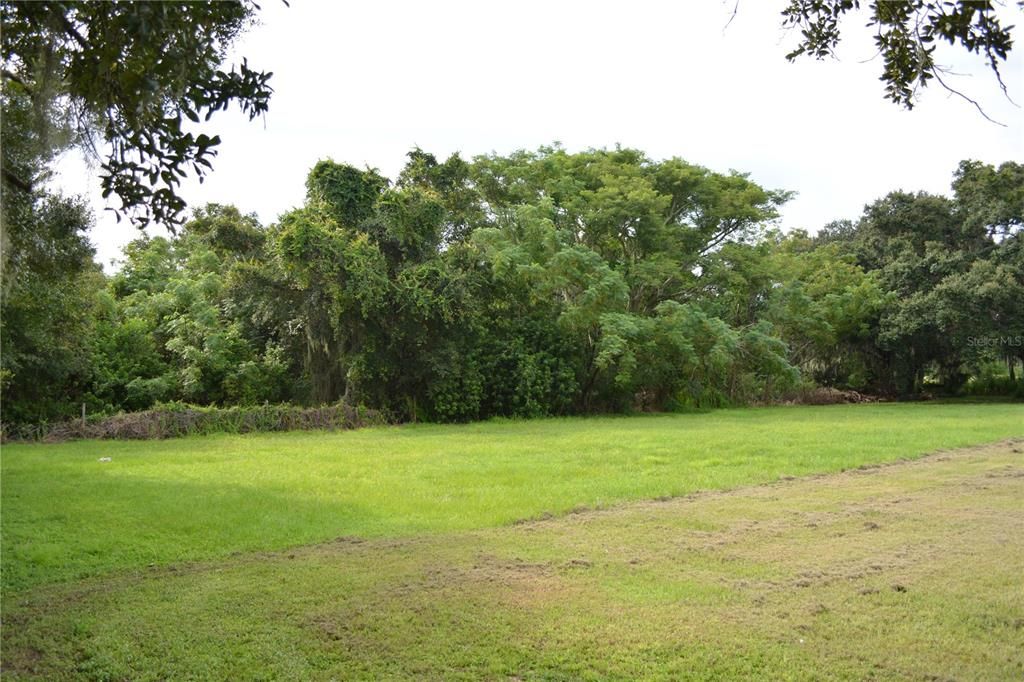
{"x": 363, "y": 83}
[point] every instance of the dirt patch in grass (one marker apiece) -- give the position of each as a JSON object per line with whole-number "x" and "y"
{"x": 910, "y": 570}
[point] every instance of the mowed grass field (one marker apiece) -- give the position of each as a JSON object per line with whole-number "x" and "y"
{"x": 402, "y": 552}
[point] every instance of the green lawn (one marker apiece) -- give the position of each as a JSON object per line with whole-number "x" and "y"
{"x": 901, "y": 572}
{"x": 66, "y": 515}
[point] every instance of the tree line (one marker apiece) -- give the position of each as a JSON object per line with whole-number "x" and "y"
{"x": 535, "y": 283}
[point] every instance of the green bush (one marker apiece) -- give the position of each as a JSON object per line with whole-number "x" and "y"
{"x": 988, "y": 383}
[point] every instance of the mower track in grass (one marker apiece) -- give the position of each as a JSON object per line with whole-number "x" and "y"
{"x": 73, "y": 511}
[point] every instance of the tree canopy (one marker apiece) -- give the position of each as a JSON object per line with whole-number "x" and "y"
{"x": 132, "y": 76}
{"x": 535, "y": 283}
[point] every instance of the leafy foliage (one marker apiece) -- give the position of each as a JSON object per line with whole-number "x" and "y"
{"x": 906, "y": 34}
{"x": 538, "y": 283}
{"x": 48, "y": 286}
{"x": 157, "y": 68}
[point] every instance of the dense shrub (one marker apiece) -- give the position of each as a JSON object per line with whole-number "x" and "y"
{"x": 995, "y": 386}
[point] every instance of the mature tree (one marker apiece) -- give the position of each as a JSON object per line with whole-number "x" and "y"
{"x": 822, "y": 304}
{"x": 906, "y": 34}
{"x": 951, "y": 273}
{"x": 991, "y": 198}
{"x": 612, "y": 241}
{"x": 451, "y": 182}
{"x": 45, "y": 313}
{"x": 653, "y": 222}
{"x": 129, "y": 75}
{"x": 48, "y": 281}
{"x": 171, "y": 328}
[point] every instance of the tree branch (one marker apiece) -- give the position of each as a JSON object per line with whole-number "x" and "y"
{"x": 735, "y": 10}
{"x": 70, "y": 29}
{"x": 17, "y": 182}
{"x": 956, "y": 92}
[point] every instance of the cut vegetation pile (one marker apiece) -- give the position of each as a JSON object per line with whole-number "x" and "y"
{"x": 177, "y": 420}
